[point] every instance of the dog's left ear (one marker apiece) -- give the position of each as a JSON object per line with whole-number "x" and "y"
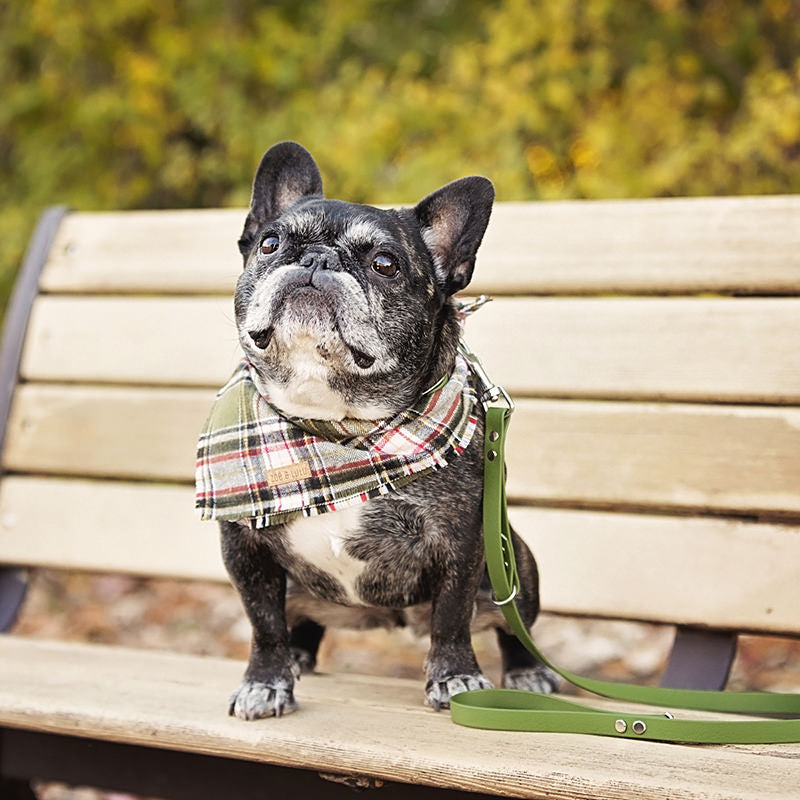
{"x": 453, "y": 220}
{"x": 286, "y": 174}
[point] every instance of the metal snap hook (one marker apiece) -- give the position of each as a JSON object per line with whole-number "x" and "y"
{"x": 508, "y": 599}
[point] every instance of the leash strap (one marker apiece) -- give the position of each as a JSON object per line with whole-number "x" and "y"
{"x": 517, "y": 710}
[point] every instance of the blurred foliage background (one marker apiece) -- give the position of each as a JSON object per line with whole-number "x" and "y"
{"x": 142, "y": 104}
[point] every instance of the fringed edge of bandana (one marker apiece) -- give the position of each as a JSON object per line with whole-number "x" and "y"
{"x": 389, "y": 474}
{"x": 442, "y": 460}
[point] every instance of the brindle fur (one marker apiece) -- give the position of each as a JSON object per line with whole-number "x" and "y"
{"x": 421, "y": 546}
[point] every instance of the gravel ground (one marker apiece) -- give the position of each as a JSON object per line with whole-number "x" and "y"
{"x": 207, "y": 619}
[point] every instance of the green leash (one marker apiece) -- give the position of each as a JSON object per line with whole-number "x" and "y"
{"x": 517, "y": 710}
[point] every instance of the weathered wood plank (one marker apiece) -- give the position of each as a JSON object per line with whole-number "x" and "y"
{"x": 741, "y": 245}
{"x": 107, "y": 526}
{"x": 348, "y": 725}
{"x": 736, "y": 459}
{"x": 181, "y": 252}
{"x": 645, "y": 348}
{"x": 141, "y": 433}
{"x": 680, "y": 457}
{"x": 631, "y": 566}
{"x": 687, "y": 570}
{"x": 176, "y": 341}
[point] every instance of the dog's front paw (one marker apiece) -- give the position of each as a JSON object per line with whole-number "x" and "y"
{"x": 539, "y": 679}
{"x": 439, "y": 692}
{"x": 256, "y": 700}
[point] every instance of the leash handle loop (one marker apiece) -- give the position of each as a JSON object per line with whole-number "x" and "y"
{"x": 516, "y": 710}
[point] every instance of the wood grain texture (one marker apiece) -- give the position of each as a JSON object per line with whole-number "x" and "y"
{"x": 163, "y": 341}
{"x": 107, "y": 526}
{"x": 689, "y": 570}
{"x": 665, "y": 246}
{"x": 696, "y": 571}
{"x": 674, "y": 456}
{"x": 739, "y": 350}
{"x": 106, "y": 431}
{"x": 350, "y": 724}
{"x": 739, "y": 245}
{"x": 163, "y": 252}
{"x": 698, "y": 349}
{"x": 733, "y": 459}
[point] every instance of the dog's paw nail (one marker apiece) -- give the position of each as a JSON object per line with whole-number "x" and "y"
{"x": 438, "y": 693}
{"x": 539, "y": 679}
{"x": 255, "y": 700}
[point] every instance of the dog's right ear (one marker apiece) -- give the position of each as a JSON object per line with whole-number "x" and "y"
{"x": 286, "y": 174}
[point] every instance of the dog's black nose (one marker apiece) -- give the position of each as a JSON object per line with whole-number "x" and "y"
{"x": 321, "y": 257}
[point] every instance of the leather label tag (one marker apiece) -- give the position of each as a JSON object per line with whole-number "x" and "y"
{"x": 283, "y": 475}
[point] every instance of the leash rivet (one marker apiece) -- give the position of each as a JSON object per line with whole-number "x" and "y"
{"x": 639, "y": 727}
{"x": 491, "y": 455}
{"x": 620, "y": 726}
{"x": 494, "y": 436}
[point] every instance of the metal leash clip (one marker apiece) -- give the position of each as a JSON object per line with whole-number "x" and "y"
{"x": 467, "y": 307}
{"x": 491, "y": 392}
{"x": 508, "y": 599}
{"x": 511, "y": 573}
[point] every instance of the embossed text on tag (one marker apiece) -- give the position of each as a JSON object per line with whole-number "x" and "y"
{"x": 290, "y": 474}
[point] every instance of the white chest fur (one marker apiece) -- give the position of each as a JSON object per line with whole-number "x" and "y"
{"x": 320, "y": 541}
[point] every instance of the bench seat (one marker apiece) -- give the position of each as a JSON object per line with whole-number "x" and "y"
{"x": 357, "y": 725}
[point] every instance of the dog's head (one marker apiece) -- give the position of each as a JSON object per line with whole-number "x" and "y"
{"x": 345, "y": 310}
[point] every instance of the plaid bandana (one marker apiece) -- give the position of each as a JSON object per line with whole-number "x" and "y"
{"x": 253, "y": 463}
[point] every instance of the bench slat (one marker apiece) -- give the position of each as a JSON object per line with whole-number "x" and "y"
{"x": 680, "y": 457}
{"x": 743, "y": 245}
{"x": 688, "y": 570}
{"x": 631, "y": 566}
{"x": 183, "y": 252}
{"x": 142, "y": 433}
{"x": 107, "y": 526}
{"x": 661, "y": 246}
{"x": 642, "y": 348}
{"x": 162, "y": 341}
{"x": 380, "y": 728}
{"x": 694, "y": 349}
{"x": 740, "y": 459}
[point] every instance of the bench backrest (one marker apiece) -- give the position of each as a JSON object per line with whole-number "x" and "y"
{"x": 652, "y": 347}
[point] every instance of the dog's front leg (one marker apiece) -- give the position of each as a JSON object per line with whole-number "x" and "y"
{"x": 451, "y": 666}
{"x": 267, "y": 689}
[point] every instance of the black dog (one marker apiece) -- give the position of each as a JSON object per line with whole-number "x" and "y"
{"x": 345, "y": 312}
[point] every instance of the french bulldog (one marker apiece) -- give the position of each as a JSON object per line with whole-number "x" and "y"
{"x": 346, "y": 311}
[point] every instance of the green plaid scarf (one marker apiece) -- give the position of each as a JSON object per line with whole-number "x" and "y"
{"x": 254, "y": 463}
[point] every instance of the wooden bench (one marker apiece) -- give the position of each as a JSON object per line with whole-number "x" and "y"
{"x": 653, "y": 348}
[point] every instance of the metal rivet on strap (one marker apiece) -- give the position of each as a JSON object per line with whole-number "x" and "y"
{"x": 620, "y": 726}
{"x": 494, "y": 436}
{"x": 491, "y": 455}
{"x": 639, "y": 727}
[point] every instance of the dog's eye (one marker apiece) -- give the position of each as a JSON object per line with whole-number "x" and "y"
{"x": 270, "y": 244}
{"x": 384, "y": 265}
